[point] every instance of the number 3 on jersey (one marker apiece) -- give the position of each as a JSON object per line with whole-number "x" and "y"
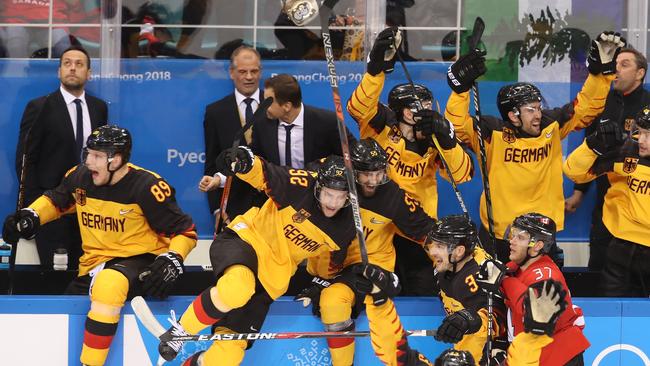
{"x": 543, "y": 273}
{"x": 161, "y": 191}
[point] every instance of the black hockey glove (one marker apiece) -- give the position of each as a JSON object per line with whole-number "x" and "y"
{"x": 490, "y": 276}
{"x": 382, "y": 56}
{"x": 311, "y": 294}
{"x": 607, "y": 137}
{"x": 431, "y": 123}
{"x": 542, "y": 311}
{"x": 462, "y": 73}
{"x": 235, "y": 160}
{"x": 22, "y": 224}
{"x": 159, "y": 277}
{"x": 456, "y": 325}
{"x": 380, "y": 283}
{"x": 603, "y": 52}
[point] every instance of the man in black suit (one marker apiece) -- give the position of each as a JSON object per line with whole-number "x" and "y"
{"x": 311, "y": 132}
{"x": 53, "y": 130}
{"x": 223, "y": 119}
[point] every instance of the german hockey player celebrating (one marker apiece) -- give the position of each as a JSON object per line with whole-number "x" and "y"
{"x": 134, "y": 235}
{"x": 254, "y": 258}
{"x": 451, "y": 244}
{"x": 532, "y": 237}
{"x": 406, "y": 135}
{"x": 543, "y": 304}
{"x": 524, "y": 148}
{"x": 385, "y": 209}
{"x": 625, "y": 209}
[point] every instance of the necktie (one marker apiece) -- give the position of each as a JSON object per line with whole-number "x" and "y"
{"x": 287, "y": 145}
{"x": 79, "y": 138}
{"x": 248, "y": 116}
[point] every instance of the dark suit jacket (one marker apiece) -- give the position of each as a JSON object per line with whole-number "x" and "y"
{"x": 320, "y": 138}
{"x": 220, "y": 125}
{"x": 51, "y": 145}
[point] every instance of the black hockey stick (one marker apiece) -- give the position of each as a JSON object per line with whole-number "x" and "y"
{"x": 223, "y": 216}
{"x": 146, "y": 317}
{"x": 475, "y": 38}
{"x": 325, "y": 12}
{"x": 419, "y": 106}
{"x": 477, "y": 32}
{"x": 20, "y": 202}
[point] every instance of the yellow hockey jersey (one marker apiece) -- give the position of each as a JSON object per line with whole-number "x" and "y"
{"x": 626, "y": 209}
{"x": 525, "y": 172}
{"x": 137, "y": 215}
{"x": 412, "y": 165}
{"x": 290, "y": 226}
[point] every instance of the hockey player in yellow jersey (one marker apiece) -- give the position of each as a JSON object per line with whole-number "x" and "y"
{"x": 406, "y": 134}
{"x": 254, "y": 258}
{"x": 543, "y": 305}
{"x": 131, "y": 228}
{"x": 385, "y": 209}
{"x": 626, "y": 209}
{"x": 452, "y": 246}
{"x": 523, "y": 146}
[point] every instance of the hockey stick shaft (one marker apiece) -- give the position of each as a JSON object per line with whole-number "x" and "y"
{"x": 459, "y": 197}
{"x": 146, "y": 317}
{"x": 325, "y": 12}
{"x": 223, "y": 216}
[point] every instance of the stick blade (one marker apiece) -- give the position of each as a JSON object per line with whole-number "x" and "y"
{"x": 477, "y": 33}
{"x": 146, "y": 317}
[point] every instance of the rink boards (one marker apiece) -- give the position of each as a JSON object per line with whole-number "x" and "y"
{"x": 40, "y": 330}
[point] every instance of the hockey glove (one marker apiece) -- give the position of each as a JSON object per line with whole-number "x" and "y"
{"x": 490, "y": 276}
{"x": 161, "y": 275}
{"x": 456, "y": 325}
{"x": 431, "y": 123}
{"x": 235, "y": 160}
{"x": 603, "y": 52}
{"x": 380, "y": 283}
{"x": 462, "y": 73}
{"x": 542, "y": 311}
{"x": 607, "y": 137}
{"x": 382, "y": 56}
{"x": 23, "y": 224}
{"x": 311, "y": 294}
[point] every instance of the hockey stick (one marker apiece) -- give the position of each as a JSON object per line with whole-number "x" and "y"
{"x": 21, "y": 194}
{"x": 475, "y": 38}
{"x": 325, "y": 12}
{"x": 223, "y": 216}
{"x": 419, "y": 106}
{"x": 146, "y": 317}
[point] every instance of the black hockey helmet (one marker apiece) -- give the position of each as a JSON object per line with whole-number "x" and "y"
{"x": 513, "y": 96}
{"x": 454, "y": 230}
{"x": 539, "y": 227}
{"x": 367, "y": 155}
{"x": 453, "y": 357}
{"x": 401, "y": 96}
{"x": 643, "y": 118}
{"x": 112, "y": 140}
{"x": 331, "y": 173}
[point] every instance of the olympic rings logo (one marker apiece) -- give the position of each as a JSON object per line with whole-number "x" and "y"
{"x": 621, "y": 347}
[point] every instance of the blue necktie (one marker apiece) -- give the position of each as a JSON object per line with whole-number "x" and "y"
{"x": 79, "y": 138}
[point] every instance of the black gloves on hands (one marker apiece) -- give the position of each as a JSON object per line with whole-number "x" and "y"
{"x": 490, "y": 276}
{"x": 430, "y": 123}
{"x": 456, "y": 325}
{"x": 235, "y": 160}
{"x": 542, "y": 310}
{"x": 462, "y": 73}
{"x": 603, "y": 52}
{"x": 159, "y": 277}
{"x": 22, "y": 224}
{"x": 382, "y": 56}
{"x": 376, "y": 282}
{"x": 607, "y": 137}
{"x": 311, "y": 294}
